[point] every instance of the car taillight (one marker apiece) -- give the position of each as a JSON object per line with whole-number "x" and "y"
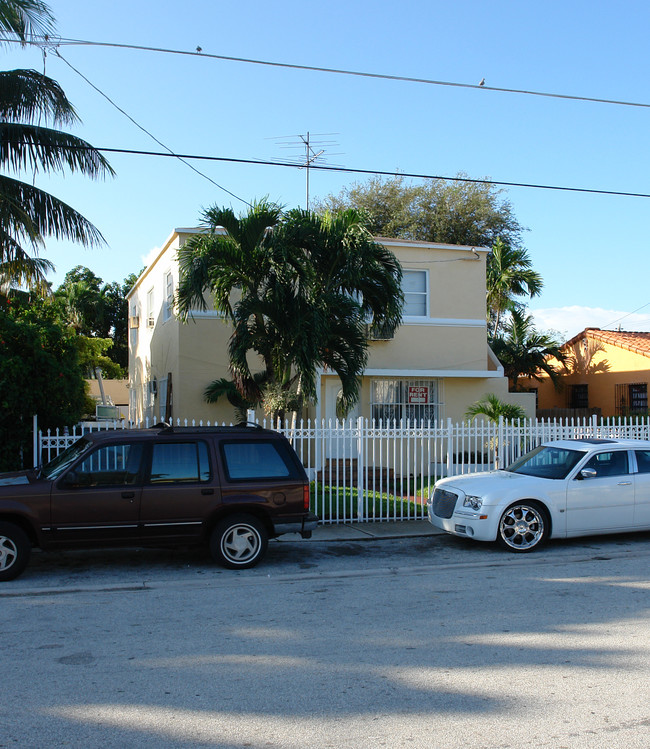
{"x": 305, "y": 496}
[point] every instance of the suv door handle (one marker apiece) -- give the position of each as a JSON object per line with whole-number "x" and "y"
{"x": 207, "y": 491}
{"x": 624, "y": 483}
{"x": 128, "y": 495}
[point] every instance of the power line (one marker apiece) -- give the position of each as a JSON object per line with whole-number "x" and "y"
{"x": 57, "y": 41}
{"x": 349, "y": 170}
{"x": 144, "y": 130}
{"x": 627, "y": 315}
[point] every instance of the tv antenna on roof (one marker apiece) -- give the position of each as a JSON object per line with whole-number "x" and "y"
{"x": 311, "y": 150}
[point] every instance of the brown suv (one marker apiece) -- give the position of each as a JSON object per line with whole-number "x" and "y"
{"x": 229, "y": 487}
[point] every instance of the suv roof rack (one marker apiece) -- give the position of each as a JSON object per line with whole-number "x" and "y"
{"x": 253, "y": 424}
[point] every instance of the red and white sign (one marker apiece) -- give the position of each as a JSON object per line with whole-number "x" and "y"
{"x": 418, "y": 394}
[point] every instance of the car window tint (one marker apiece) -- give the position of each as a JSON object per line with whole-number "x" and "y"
{"x": 179, "y": 462}
{"x": 612, "y": 463}
{"x": 643, "y": 460}
{"x": 110, "y": 465}
{"x": 255, "y": 460}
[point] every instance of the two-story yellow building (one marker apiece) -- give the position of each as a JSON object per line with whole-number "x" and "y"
{"x": 437, "y": 363}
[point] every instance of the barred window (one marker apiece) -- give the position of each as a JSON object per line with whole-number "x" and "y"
{"x": 402, "y": 400}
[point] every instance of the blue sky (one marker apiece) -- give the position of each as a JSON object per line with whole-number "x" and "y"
{"x": 592, "y": 250}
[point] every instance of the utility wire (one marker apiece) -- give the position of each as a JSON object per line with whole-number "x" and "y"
{"x": 144, "y": 130}
{"x": 54, "y": 44}
{"x": 56, "y": 41}
{"x": 349, "y": 170}
{"x": 627, "y": 315}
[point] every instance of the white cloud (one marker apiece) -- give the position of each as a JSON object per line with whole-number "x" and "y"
{"x": 571, "y": 320}
{"x": 150, "y": 256}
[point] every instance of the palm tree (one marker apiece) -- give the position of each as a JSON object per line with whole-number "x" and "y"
{"x": 232, "y": 260}
{"x": 346, "y": 282}
{"x": 509, "y": 275}
{"x": 307, "y": 284}
{"x": 27, "y": 213}
{"x": 223, "y": 388}
{"x": 493, "y": 409}
{"x": 524, "y": 352}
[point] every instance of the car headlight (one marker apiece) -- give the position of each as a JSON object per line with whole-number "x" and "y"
{"x": 473, "y": 502}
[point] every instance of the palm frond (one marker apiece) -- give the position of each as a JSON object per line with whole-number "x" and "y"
{"x": 25, "y": 18}
{"x": 47, "y": 215}
{"x": 30, "y": 146}
{"x": 27, "y": 95}
{"x": 24, "y": 270}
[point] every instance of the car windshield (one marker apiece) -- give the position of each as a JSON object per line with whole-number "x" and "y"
{"x": 56, "y": 467}
{"x": 547, "y": 462}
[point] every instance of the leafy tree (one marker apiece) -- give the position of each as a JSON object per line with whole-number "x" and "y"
{"x": 524, "y": 352}
{"x": 97, "y": 310}
{"x": 93, "y": 354}
{"x": 493, "y": 409}
{"x": 446, "y": 211}
{"x": 307, "y": 284}
{"x": 28, "y": 214}
{"x": 509, "y": 277}
{"x": 453, "y": 212}
{"x": 40, "y": 373}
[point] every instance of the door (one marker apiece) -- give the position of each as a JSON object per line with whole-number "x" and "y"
{"x": 642, "y": 489}
{"x": 98, "y": 500}
{"x": 605, "y": 501}
{"x": 179, "y": 490}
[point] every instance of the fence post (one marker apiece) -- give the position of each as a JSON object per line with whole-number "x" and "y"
{"x": 361, "y": 492}
{"x": 35, "y": 441}
{"x": 594, "y": 425}
{"x": 500, "y": 439}
{"x": 449, "y": 446}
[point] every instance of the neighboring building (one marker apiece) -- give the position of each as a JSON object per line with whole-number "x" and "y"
{"x": 435, "y": 366}
{"x": 607, "y": 372}
{"x": 116, "y": 393}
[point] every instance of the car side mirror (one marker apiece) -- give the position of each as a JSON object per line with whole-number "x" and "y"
{"x": 588, "y": 473}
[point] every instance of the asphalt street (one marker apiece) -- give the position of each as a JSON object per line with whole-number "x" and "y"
{"x": 398, "y": 642}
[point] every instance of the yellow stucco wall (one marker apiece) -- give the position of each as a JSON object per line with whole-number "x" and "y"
{"x": 448, "y": 344}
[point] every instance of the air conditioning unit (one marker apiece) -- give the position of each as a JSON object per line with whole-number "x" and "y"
{"x": 134, "y": 322}
{"x": 107, "y": 413}
{"x": 379, "y": 333}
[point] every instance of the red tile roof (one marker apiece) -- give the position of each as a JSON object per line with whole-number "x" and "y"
{"x": 638, "y": 342}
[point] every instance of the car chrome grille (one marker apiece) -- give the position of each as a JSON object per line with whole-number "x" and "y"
{"x": 444, "y": 503}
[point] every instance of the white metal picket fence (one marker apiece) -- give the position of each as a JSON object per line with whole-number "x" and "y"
{"x": 363, "y": 471}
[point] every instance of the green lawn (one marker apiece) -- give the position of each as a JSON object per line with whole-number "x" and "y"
{"x": 331, "y": 502}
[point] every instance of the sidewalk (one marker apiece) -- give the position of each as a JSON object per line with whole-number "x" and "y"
{"x": 369, "y": 531}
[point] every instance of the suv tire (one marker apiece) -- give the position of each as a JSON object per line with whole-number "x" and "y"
{"x": 239, "y": 542}
{"x": 15, "y": 550}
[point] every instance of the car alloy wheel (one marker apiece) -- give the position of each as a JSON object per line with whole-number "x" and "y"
{"x": 15, "y": 550}
{"x": 523, "y": 527}
{"x": 239, "y": 541}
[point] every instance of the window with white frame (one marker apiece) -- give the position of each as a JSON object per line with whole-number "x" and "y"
{"x": 168, "y": 296}
{"x": 415, "y": 288}
{"x": 134, "y": 323}
{"x": 401, "y": 400}
{"x": 151, "y": 320}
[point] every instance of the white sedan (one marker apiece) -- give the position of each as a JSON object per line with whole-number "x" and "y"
{"x": 558, "y": 490}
